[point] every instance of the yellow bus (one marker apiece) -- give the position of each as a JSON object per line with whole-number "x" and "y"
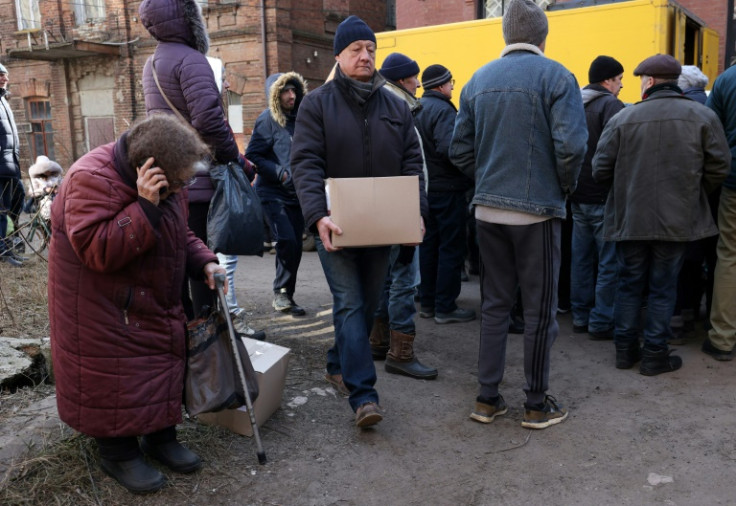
{"x": 628, "y": 30}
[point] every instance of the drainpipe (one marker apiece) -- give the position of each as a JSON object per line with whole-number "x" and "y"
{"x": 263, "y": 38}
{"x": 730, "y": 36}
{"x": 131, "y": 71}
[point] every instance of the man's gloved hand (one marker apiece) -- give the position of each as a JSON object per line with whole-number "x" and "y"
{"x": 406, "y": 255}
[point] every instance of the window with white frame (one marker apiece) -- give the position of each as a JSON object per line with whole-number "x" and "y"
{"x": 29, "y": 16}
{"x": 88, "y": 10}
{"x": 497, "y": 8}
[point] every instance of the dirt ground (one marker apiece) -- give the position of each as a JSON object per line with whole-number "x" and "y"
{"x": 629, "y": 439}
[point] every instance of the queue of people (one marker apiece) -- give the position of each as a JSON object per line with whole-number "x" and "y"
{"x": 524, "y": 141}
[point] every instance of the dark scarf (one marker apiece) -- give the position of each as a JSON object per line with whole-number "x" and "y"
{"x": 359, "y": 90}
{"x": 669, "y": 86}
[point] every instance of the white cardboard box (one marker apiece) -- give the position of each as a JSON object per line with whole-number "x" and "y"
{"x": 270, "y": 362}
{"x": 375, "y": 211}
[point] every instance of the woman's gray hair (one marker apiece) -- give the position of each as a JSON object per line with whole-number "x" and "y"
{"x": 692, "y": 77}
{"x": 175, "y": 146}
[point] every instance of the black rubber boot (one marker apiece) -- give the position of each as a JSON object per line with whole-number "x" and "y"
{"x": 627, "y": 354}
{"x": 401, "y": 358}
{"x": 171, "y": 454}
{"x": 379, "y": 339}
{"x": 134, "y": 474}
{"x": 658, "y": 361}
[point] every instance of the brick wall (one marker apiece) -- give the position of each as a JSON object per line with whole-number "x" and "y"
{"x": 414, "y": 13}
{"x": 715, "y": 15}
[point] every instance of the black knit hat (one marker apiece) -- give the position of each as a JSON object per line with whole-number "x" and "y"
{"x": 602, "y": 68}
{"x": 434, "y": 76}
{"x": 351, "y": 29}
{"x": 398, "y": 66}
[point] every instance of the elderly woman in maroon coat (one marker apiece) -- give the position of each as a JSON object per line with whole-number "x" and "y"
{"x": 119, "y": 252}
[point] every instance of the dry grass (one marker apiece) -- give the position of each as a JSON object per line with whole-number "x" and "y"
{"x": 66, "y": 472}
{"x": 23, "y": 298}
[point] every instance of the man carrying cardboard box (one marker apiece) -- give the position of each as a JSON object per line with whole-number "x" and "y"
{"x": 352, "y": 127}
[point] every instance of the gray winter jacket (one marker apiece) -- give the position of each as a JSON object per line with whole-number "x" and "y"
{"x": 9, "y": 145}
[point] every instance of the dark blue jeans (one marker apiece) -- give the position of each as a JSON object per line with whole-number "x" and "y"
{"x": 655, "y": 264}
{"x": 593, "y": 273}
{"x": 355, "y": 277}
{"x": 442, "y": 252}
{"x": 287, "y": 226}
{"x": 396, "y": 304}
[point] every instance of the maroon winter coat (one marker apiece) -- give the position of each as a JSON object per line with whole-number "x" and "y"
{"x": 186, "y": 77}
{"x": 116, "y": 271}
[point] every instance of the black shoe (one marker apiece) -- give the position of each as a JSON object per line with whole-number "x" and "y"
{"x": 627, "y": 355}
{"x": 173, "y": 455}
{"x": 10, "y": 259}
{"x": 654, "y": 362}
{"x": 296, "y": 309}
{"x": 709, "y": 349}
{"x": 579, "y": 329}
{"x": 135, "y": 474}
{"x": 600, "y": 335}
{"x": 459, "y": 315}
{"x": 414, "y": 369}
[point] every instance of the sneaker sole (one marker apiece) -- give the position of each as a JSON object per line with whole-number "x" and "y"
{"x": 545, "y": 424}
{"x": 369, "y": 420}
{"x": 426, "y": 314}
{"x": 487, "y": 419}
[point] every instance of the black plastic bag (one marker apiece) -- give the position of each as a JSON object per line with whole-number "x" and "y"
{"x": 235, "y": 218}
{"x": 212, "y": 382}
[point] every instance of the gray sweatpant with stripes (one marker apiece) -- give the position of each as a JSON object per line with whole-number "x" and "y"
{"x": 527, "y": 256}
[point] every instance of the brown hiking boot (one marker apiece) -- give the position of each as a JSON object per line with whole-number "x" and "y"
{"x": 368, "y": 414}
{"x": 401, "y": 358}
{"x": 379, "y": 339}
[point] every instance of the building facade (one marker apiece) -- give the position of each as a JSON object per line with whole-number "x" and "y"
{"x": 75, "y": 67}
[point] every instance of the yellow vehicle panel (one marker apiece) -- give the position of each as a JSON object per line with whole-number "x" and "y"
{"x": 629, "y": 31}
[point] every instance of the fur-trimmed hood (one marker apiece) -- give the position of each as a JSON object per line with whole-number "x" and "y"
{"x": 275, "y": 85}
{"x": 175, "y": 21}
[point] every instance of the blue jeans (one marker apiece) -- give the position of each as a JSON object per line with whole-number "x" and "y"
{"x": 655, "y": 264}
{"x": 396, "y": 303}
{"x": 355, "y": 277}
{"x": 287, "y": 226}
{"x": 592, "y": 296}
{"x": 442, "y": 251}
{"x": 230, "y": 262}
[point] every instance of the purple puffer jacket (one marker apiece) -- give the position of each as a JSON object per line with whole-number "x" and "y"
{"x": 186, "y": 77}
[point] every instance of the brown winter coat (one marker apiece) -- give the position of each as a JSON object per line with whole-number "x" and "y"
{"x": 116, "y": 271}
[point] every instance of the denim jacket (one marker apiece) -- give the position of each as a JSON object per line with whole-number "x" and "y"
{"x": 521, "y": 133}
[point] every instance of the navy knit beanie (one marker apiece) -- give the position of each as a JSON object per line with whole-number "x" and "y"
{"x": 602, "y": 68}
{"x": 398, "y": 66}
{"x": 351, "y": 29}
{"x": 434, "y": 76}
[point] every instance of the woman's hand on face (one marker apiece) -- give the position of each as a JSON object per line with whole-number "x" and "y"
{"x": 151, "y": 182}
{"x": 210, "y": 270}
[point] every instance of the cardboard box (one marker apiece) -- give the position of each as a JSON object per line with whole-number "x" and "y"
{"x": 270, "y": 362}
{"x": 375, "y": 211}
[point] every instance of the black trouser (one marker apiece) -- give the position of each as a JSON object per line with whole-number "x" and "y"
{"x": 201, "y": 295}
{"x": 287, "y": 226}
